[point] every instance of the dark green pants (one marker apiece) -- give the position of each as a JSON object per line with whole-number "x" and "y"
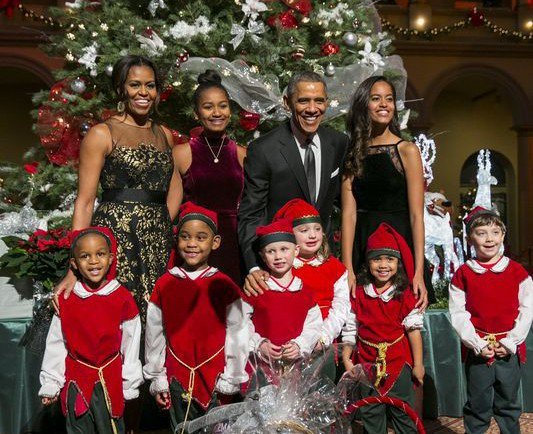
{"x": 492, "y": 391}
{"x": 96, "y": 420}
{"x": 375, "y": 417}
{"x": 178, "y": 408}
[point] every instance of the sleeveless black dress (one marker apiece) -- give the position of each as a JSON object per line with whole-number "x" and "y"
{"x": 381, "y": 196}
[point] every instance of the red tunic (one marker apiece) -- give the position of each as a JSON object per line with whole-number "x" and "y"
{"x": 492, "y": 299}
{"x": 194, "y": 320}
{"x": 92, "y": 333}
{"x": 280, "y": 315}
{"x": 380, "y": 321}
{"x": 321, "y": 280}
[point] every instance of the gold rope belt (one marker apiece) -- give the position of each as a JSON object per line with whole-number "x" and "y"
{"x": 491, "y": 337}
{"x": 192, "y": 377}
{"x": 104, "y": 386}
{"x": 381, "y": 359}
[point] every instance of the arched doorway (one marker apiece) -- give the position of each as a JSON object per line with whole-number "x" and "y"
{"x": 474, "y": 110}
{"x": 16, "y": 90}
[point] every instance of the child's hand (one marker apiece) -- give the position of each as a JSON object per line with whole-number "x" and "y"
{"x": 290, "y": 351}
{"x": 418, "y": 374}
{"x": 348, "y": 366}
{"x": 487, "y": 352}
{"x": 163, "y": 400}
{"x": 319, "y": 347}
{"x": 48, "y": 401}
{"x": 270, "y": 351}
{"x": 500, "y": 351}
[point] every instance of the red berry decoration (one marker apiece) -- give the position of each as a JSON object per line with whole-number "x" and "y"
{"x": 248, "y": 121}
{"x": 329, "y": 48}
{"x": 476, "y": 17}
{"x": 183, "y": 56}
{"x": 304, "y": 7}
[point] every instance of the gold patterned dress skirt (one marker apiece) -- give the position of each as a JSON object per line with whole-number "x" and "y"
{"x": 135, "y": 180}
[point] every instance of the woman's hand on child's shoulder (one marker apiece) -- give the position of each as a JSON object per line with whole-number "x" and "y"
{"x": 352, "y": 281}
{"x": 163, "y": 400}
{"x": 255, "y": 282}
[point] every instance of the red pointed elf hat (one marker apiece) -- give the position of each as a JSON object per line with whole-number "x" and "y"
{"x": 298, "y": 212}
{"x": 191, "y": 211}
{"x": 386, "y": 241}
{"x": 111, "y": 241}
{"x": 279, "y": 230}
{"x": 474, "y": 214}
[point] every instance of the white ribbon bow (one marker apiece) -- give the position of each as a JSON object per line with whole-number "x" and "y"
{"x": 254, "y": 29}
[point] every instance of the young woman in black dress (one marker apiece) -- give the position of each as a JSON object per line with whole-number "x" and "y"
{"x": 383, "y": 181}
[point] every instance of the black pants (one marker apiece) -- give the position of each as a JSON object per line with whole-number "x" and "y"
{"x": 96, "y": 420}
{"x": 375, "y": 417}
{"x": 492, "y": 391}
{"x": 178, "y": 409}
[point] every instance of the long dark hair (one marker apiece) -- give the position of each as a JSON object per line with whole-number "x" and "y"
{"x": 399, "y": 280}
{"x": 120, "y": 74}
{"x": 206, "y": 80}
{"x": 359, "y": 125}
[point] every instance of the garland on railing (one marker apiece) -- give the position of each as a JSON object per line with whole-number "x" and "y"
{"x": 36, "y": 16}
{"x": 475, "y": 18}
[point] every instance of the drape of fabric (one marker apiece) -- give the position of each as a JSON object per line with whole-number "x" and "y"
{"x": 218, "y": 187}
{"x": 141, "y": 159}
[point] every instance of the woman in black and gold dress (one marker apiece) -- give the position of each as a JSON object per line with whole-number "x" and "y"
{"x": 383, "y": 182}
{"x": 131, "y": 157}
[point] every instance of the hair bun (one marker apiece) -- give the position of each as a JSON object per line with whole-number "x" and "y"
{"x": 210, "y": 76}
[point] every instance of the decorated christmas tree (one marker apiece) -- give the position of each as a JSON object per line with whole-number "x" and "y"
{"x": 255, "y": 46}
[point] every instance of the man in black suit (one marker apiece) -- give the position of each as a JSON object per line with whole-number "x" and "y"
{"x": 299, "y": 159}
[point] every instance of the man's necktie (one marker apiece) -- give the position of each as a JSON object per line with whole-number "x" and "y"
{"x": 310, "y": 171}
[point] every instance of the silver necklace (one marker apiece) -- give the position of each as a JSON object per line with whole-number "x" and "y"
{"x": 215, "y": 157}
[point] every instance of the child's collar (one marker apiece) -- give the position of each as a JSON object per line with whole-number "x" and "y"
{"x": 294, "y": 285}
{"x": 386, "y": 295}
{"x": 81, "y": 291}
{"x": 315, "y": 261}
{"x": 193, "y": 275}
{"x": 497, "y": 267}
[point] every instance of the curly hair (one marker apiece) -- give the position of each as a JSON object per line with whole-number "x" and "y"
{"x": 359, "y": 125}
{"x": 399, "y": 280}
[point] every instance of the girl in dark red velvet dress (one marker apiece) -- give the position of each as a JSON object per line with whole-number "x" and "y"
{"x": 211, "y": 168}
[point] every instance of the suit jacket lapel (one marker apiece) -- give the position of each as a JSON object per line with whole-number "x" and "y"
{"x": 289, "y": 150}
{"x": 328, "y": 161}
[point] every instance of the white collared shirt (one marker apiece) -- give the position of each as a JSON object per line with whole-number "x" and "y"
{"x": 315, "y": 147}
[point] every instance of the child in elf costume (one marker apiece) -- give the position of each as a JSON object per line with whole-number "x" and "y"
{"x": 321, "y": 272}
{"x": 283, "y": 324}
{"x": 188, "y": 352}
{"x": 491, "y": 308}
{"x": 385, "y": 326}
{"x": 91, "y": 359}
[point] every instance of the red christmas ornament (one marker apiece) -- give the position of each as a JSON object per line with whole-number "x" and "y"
{"x": 476, "y": 17}
{"x": 329, "y": 48}
{"x": 178, "y": 138}
{"x": 304, "y": 7}
{"x": 56, "y": 92}
{"x": 165, "y": 94}
{"x": 32, "y": 168}
{"x": 9, "y": 7}
{"x": 286, "y": 20}
{"x": 248, "y": 121}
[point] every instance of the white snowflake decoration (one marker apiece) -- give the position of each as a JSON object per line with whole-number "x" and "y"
{"x": 336, "y": 14}
{"x": 89, "y": 58}
{"x": 371, "y": 58}
{"x": 252, "y": 9}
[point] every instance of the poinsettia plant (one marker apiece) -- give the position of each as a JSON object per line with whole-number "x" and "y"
{"x": 43, "y": 256}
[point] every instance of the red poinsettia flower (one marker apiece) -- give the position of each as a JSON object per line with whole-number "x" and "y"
{"x": 32, "y": 168}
